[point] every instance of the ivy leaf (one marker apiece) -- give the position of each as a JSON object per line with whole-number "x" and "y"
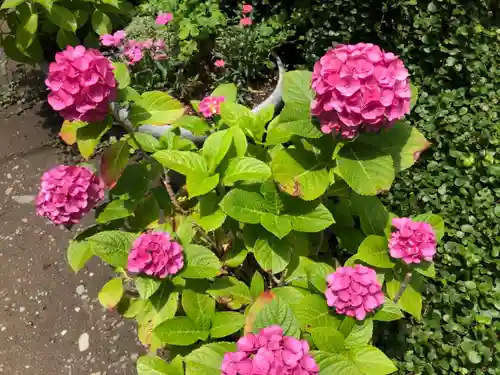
{"x": 155, "y": 108}
{"x": 328, "y": 340}
{"x": 179, "y": 331}
{"x": 147, "y": 286}
{"x": 230, "y": 291}
{"x": 280, "y": 226}
{"x": 78, "y": 254}
{"x": 216, "y": 147}
{"x": 122, "y": 75}
{"x": 272, "y": 254}
{"x": 183, "y": 162}
{"x": 311, "y": 219}
{"x": 277, "y": 312}
{"x": 207, "y": 360}
{"x": 149, "y": 365}
{"x": 112, "y": 246}
{"x": 101, "y": 23}
{"x": 300, "y": 174}
{"x": 200, "y": 185}
{"x": 113, "y": 162}
{"x": 200, "y": 308}
{"x": 246, "y": 169}
{"x": 366, "y": 170}
{"x": 114, "y": 210}
{"x": 243, "y": 205}
{"x": 63, "y": 18}
{"x": 111, "y": 293}
{"x": 228, "y": 90}
{"x": 360, "y": 334}
{"x": 371, "y": 360}
{"x": 297, "y": 87}
{"x": 374, "y": 250}
{"x": 389, "y": 312}
{"x": 200, "y": 263}
{"x": 226, "y": 323}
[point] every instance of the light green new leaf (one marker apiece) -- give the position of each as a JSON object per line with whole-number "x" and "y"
{"x": 149, "y": 365}
{"x": 78, "y": 254}
{"x": 179, "y": 331}
{"x": 239, "y": 141}
{"x": 155, "y": 108}
{"x": 146, "y": 286}
{"x": 414, "y": 95}
{"x": 426, "y": 269}
{"x": 111, "y": 293}
{"x": 115, "y": 210}
{"x": 226, "y": 323}
{"x": 280, "y": 226}
{"x": 329, "y": 340}
{"x": 360, "y": 334}
{"x": 300, "y": 174}
{"x": 26, "y": 32}
{"x": 101, "y": 23}
{"x": 366, "y": 171}
{"x": 230, "y": 291}
{"x": 277, "y": 312}
{"x": 121, "y": 73}
{"x": 183, "y": 162}
{"x": 112, "y": 246}
{"x": 297, "y": 87}
{"x": 372, "y": 361}
{"x": 312, "y": 221}
{"x": 11, "y": 4}
{"x": 200, "y": 263}
{"x": 291, "y": 295}
{"x": 246, "y": 169}
{"x": 374, "y": 250}
{"x": 261, "y": 118}
{"x": 389, "y": 312}
{"x": 216, "y": 147}
{"x": 207, "y": 360}
{"x": 200, "y": 308}
{"x": 200, "y": 185}
{"x": 228, "y": 90}
{"x": 244, "y": 206}
{"x": 272, "y": 254}
{"x": 63, "y": 18}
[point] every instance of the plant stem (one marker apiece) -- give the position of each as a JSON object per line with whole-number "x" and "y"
{"x": 403, "y": 287}
{"x": 171, "y": 193}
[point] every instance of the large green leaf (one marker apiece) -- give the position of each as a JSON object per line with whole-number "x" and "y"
{"x": 149, "y": 365}
{"x": 208, "y": 214}
{"x": 200, "y": 185}
{"x": 113, "y": 162}
{"x": 146, "y": 142}
{"x": 78, "y": 254}
{"x": 272, "y": 254}
{"x": 207, "y": 360}
{"x": 228, "y": 90}
{"x": 88, "y": 136}
{"x": 372, "y": 214}
{"x": 360, "y": 334}
{"x": 194, "y": 124}
{"x": 372, "y": 361}
{"x": 183, "y": 162}
{"x": 366, "y": 170}
{"x": 300, "y": 174}
{"x": 11, "y": 4}
{"x": 311, "y": 219}
{"x": 374, "y": 250}
{"x": 146, "y": 286}
{"x": 63, "y": 18}
{"x": 226, "y": 323}
{"x": 26, "y": 32}
{"x": 66, "y": 38}
{"x": 294, "y": 119}
{"x": 330, "y": 364}
{"x": 389, "y": 312}
{"x": 277, "y": 313}
{"x": 411, "y": 299}
{"x": 313, "y": 312}
{"x": 112, "y": 246}
{"x": 111, "y": 293}
{"x": 246, "y": 169}
{"x": 236, "y": 115}
{"x": 257, "y": 285}
{"x": 121, "y": 74}
{"x": 133, "y": 183}
{"x": 243, "y": 205}
{"x": 317, "y": 273}
{"x": 101, "y": 23}
{"x": 200, "y": 263}
{"x": 155, "y": 108}
{"x": 329, "y": 340}
{"x": 272, "y": 197}
{"x": 117, "y": 209}
{"x": 297, "y": 87}
{"x": 200, "y": 308}
{"x": 216, "y": 147}
{"x": 180, "y": 331}
{"x": 230, "y": 291}
{"x": 47, "y": 4}
{"x": 280, "y": 226}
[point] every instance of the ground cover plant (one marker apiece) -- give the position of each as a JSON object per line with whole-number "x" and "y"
{"x": 233, "y": 269}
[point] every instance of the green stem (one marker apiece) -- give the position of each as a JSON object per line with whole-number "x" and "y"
{"x": 403, "y": 287}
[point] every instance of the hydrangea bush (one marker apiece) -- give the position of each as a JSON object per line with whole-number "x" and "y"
{"x": 224, "y": 248}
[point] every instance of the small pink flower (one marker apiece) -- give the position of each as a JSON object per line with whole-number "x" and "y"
{"x": 67, "y": 193}
{"x": 114, "y": 40}
{"x": 164, "y": 18}
{"x": 270, "y": 353}
{"x": 159, "y": 44}
{"x": 413, "y": 241}
{"x": 133, "y": 52}
{"x": 154, "y": 254}
{"x": 220, "y": 63}
{"x": 246, "y": 21}
{"x": 210, "y": 105}
{"x": 247, "y": 8}
{"x": 160, "y": 56}
{"x": 354, "y": 291}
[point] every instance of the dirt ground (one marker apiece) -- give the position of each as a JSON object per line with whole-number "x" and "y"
{"x": 50, "y": 319}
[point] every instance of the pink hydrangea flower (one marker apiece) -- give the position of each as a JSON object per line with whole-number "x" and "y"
{"x": 354, "y": 291}
{"x": 413, "y": 241}
{"x": 67, "y": 193}
{"x": 220, "y": 63}
{"x": 164, "y": 18}
{"x": 270, "y": 353}
{"x": 82, "y": 84}
{"x": 359, "y": 88}
{"x": 247, "y": 8}
{"x": 154, "y": 254}
{"x": 112, "y": 40}
{"x": 246, "y": 21}
{"x": 210, "y": 105}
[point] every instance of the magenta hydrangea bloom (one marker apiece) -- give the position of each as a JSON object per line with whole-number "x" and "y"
{"x": 164, "y": 18}
{"x": 82, "y": 84}
{"x": 67, "y": 193}
{"x": 359, "y": 87}
{"x": 154, "y": 254}
{"x": 354, "y": 291}
{"x": 210, "y": 105}
{"x": 413, "y": 241}
{"x": 270, "y": 353}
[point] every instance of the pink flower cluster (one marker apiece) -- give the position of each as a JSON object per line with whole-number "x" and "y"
{"x": 154, "y": 254}
{"x": 134, "y": 50}
{"x": 220, "y": 63}
{"x": 270, "y": 353}
{"x": 164, "y": 18}
{"x": 210, "y": 105}
{"x": 67, "y": 193}
{"x": 245, "y": 20}
{"x": 359, "y": 87}
{"x": 413, "y": 241}
{"x": 354, "y": 291}
{"x": 82, "y": 84}
{"x": 113, "y": 40}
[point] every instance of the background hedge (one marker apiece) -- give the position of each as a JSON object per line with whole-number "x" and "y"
{"x": 452, "y": 49}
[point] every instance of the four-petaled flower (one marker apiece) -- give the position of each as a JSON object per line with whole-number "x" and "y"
{"x": 164, "y": 18}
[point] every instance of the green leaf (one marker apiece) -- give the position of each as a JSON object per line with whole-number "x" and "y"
{"x": 216, "y": 147}
{"x": 239, "y": 141}
{"x": 411, "y": 299}
{"x": 26, "y": 32}
{"x": 115, "y": 210}
{"x": 88, "y": 136}
{"x": 257, "y": 284}
{"x": 78, "y": 254}
{"x": 371, "y": 360}
{"x": 246, "y": 169}
{"x": 149, "y": 365}
{"x": 208, "y": 214}
{"x": 311, "y": 220}
{"x": 47, "y": 4}
{"x": 329, "y": 340}
{"x": 112, "y": 246}
{"x": 226, "y": 323}
{"x": 389, "y": 312}
{"x": 238, "y": 115}
{"x": 313, "y": 312}
{"x": 261, "y": 118}
{"x": 297, "y": 87}
{"x": 111, "y": 293}
{"x": 414, "y": 95}
{"x": 272, "y": 197}
{"x": 194, "y": 124}
{"x": 133, "y": 183}
{"x": 436, "y": 221}
{"x": 366, "y": 170}
{"x": 101, "y": 23}
{"x": 185, "y": 232}
{"x": 236, "y": 255}
{"x": 335, "y": 364}
{"x": 426, "y": 269}
{"x": 280, "y": 226}
{"x": 360, "y": 334}
{"x": 373, "y": 216}
{"x": 300, "y": 174}
{"x": 317, "y": 273}
{"x": 290, "y": 294}
{"x": 11, "y": 4}
{"x": 200, "y": 308}
{"x": 147, "y": 286}
{"x": 244, "y": 206}
{"x": 207, "y": 360}
{"x": 147, "y": 142}
{"x": 155, "y": 108}
{"x": 65, "y": 38}
{"x": 200, "y": 263}
{"x": 277, "y": 312}
{"x": 129, "y": 94}
{"x": 113, "y": 162}
{"x": 63, "y": 18}
{"x": 374, "y": 250}
{"x": 474, "y": 357}
{"x": 121, "y": 72}
{"x": 179, "y": 331}
{"x": 228, "y": 90}
{"x": 230, "y": 291}
{"x": 200, "y": 185}
{"x": 183, "y": 162}
{"x": 272, "y": 254}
